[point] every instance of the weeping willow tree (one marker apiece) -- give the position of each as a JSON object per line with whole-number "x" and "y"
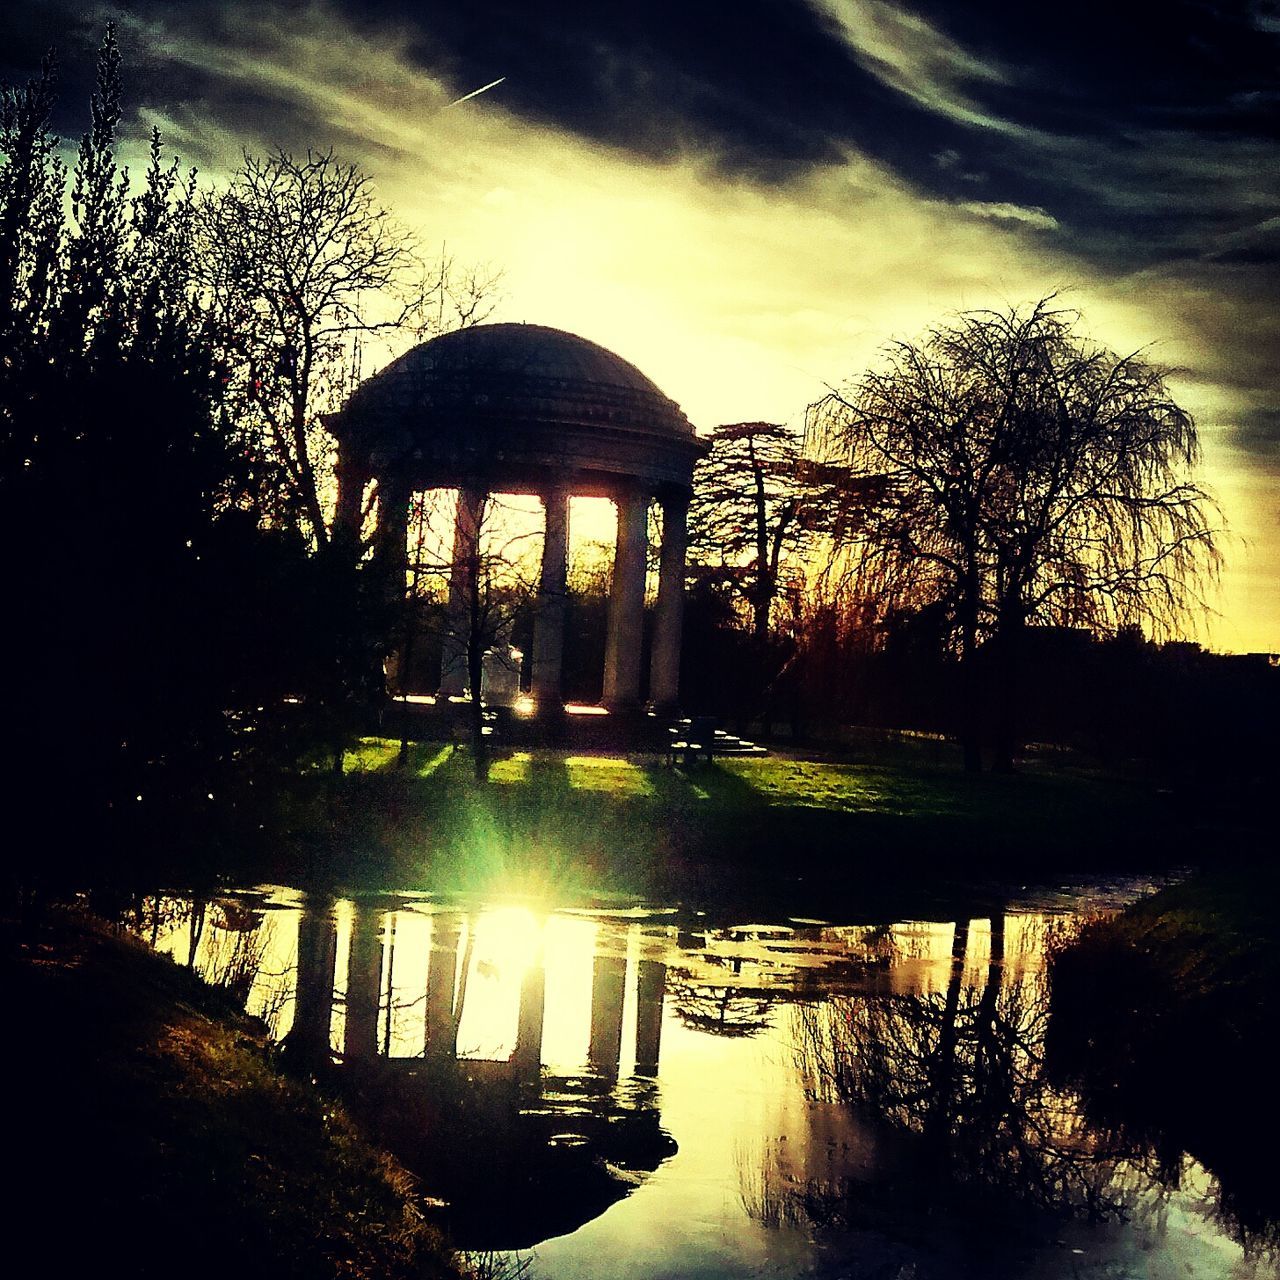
{"x": 1027, "y": 475}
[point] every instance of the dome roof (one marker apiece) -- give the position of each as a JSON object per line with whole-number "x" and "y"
{"x": 517, "y": 407}
{"x": 517, "y": 373}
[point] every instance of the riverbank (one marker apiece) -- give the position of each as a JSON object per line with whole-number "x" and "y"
{"x": 1177, "y": 1057}
{"x": 778, "y": 833}
{"x": 97, "y": 1019}
{"x": 154, "y": 1129}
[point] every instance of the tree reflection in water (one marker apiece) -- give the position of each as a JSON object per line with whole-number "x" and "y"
{"x": 968, "y": 1129}
{"x": 232, "y": 941}
{"x": 490, "y": 1264}
{"x": 719, "y": 1011}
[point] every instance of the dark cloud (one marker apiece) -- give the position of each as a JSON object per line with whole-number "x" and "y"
{"x": 1129, "y": 136}
{"x": 1258, "y": 433}
{"x": 1135, "y": 145}
{"x": 29, "y": 31}
{"x": 1146, "y": 131}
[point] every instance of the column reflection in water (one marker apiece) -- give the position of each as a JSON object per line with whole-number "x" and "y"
{"x": 533, "y": 1001}
{"x": 308, "y": 1038}
{"x": 544, "y": 993}
{"x": 608, "y": 989}
{"x": 651, "y": 985}
{"x": 364, "y": 979}
{"x": 442, "y": 977}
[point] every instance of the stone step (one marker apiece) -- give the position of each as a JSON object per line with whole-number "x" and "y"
{"x": 723, "y": 742}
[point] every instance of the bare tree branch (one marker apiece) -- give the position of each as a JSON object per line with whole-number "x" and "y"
{"x": 1047, "y": 479}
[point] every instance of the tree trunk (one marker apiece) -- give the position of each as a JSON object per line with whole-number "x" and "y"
{"x": 938, "y": 1117}
{"x": 970, "y": 737}
{"x": 406, "y": 660}
{"x": 970, "y": 692}
{"x": 475, "y": 708}
{"x": 1008, "y": 652}
{"x": 760, "y": 609}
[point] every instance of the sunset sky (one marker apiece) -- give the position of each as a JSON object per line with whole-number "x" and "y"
{"x": 746, "y": 200}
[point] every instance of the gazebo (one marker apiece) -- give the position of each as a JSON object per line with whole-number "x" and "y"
{"x": 524, "y": 409}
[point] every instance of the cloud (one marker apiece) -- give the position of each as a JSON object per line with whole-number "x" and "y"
{"x": 1152, "y": 143}
{"x": 1005, "y": 212}
{"x": 1258, "y": 431}
{"x": 908, "y": 54}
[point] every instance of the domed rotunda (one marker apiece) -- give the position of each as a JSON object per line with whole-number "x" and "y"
{"x": 524, "y": 409}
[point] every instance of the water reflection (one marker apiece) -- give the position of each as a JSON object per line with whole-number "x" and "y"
{"x": 466, "y": 1039}
{"x": 742, "y": 1099}
{"x": 949, "y": 1085}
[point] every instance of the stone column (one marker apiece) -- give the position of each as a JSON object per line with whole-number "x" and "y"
{"x": 352, "y": 477}
{"x": 664, "y": 670}
{"x": 392, "y": 537}
{"x": 548, "y": 624}
{"x": 626, "y": 603}
{"x": 391, "y": 555}
{"x": 466, "y": 543}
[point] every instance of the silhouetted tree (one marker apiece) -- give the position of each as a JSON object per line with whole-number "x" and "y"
{"x": 864, "y": 643}
{"x": 304, "y": 265}
{"x": 160, "y": 624}
{"x": 754, "y": 507}
{"x": 115, "y": 460}
{"x": 32, "y": 182}
{"x": 1030, "y": 476}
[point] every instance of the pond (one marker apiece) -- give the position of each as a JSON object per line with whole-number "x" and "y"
{"x": 648, "y": 1091}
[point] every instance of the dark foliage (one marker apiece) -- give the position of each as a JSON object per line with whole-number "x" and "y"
{"x": 154, "y": 626}
{"x": 1175, "y": 1058}
{"x": 1027, "y": 477}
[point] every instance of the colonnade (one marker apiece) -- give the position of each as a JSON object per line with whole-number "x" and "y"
{"x": 371, "y": 959}
{"x": 623, "y": 647}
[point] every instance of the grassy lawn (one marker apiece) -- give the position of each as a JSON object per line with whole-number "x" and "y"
{"x": 751, "y": 782}
{"x": 632, "y": 824}
{"x": 898, "y": 791}
{"x": 371, "y": 755}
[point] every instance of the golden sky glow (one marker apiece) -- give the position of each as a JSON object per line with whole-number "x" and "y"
{"x": 744, "y": 299}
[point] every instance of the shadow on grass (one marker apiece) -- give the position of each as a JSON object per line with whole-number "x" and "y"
{"x": 556, "y": 822}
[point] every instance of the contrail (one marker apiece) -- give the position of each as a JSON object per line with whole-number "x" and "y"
{"x": 493, "y": 84}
